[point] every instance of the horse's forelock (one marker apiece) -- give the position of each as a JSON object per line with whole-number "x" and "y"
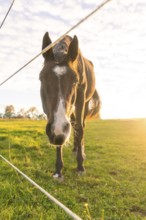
{"x": 60, "y": 50}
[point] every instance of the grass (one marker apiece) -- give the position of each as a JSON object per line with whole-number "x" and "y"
{"x": 113, "y": 188}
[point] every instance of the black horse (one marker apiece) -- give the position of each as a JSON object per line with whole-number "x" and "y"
{"x": 68, "y": 96}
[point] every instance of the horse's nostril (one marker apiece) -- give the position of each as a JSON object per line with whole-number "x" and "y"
{"x": 66, "y": 127}
{"x": 49, "y": 129}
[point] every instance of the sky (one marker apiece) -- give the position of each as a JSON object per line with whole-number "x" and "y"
{"x": 113, "y": 39}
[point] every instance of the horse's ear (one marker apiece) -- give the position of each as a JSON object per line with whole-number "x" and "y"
{"x": 46, "y": 41}
{"x": 73, "y": 49}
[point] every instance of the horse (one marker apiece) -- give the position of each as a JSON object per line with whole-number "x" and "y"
{"x": 68, "y": 95}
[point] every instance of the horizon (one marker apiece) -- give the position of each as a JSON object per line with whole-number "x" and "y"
{"x": 17, "y": 109}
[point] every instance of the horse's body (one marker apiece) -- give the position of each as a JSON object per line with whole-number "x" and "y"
{"x": 68, "y": 96}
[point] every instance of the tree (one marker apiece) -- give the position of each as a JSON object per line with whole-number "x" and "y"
{"x": 1, "y": 115}
{"x": 21, "y": 113}
{"x": 41, "y": 117}
{"x": 9, "y": 111}
{"x": 32, "y": 113}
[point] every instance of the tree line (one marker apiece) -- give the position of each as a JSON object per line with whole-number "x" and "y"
{"x": 31, "y": 113}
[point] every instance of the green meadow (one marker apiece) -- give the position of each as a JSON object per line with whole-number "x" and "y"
{"x": 113, "y": 187}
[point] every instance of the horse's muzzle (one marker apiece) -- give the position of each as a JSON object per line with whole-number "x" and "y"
{"x": 59, "y": 140}
{"x": 54, "y": 139}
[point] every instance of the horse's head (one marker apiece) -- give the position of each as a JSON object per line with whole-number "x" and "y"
{"x": 59, "y": 81}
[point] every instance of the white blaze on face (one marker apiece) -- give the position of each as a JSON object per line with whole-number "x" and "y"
{"x": 59, "y": 70}
{"x": 60, "y": 118}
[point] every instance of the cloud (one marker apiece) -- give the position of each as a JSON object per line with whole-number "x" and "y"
{"x": 113, "y": 39}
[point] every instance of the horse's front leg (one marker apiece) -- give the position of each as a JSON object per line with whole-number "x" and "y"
{"x": 59, "y": 162}
{"x": 73, "y": 123}
{"x": 79, "y": 129}
{"x": 80, "y": 148}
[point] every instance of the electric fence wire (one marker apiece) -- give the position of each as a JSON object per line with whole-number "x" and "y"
{"x": 67, "y": 210}
{"x": 7, "y": 14}
{"x": 55, "y": 42}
